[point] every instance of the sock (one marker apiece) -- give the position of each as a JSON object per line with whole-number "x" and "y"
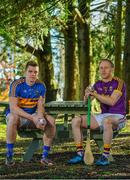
{"x": 10, "y": 147}
{"x": 46, "y": 150}
{"x": 106, "y": 151}
{"x": 79, "y": 147}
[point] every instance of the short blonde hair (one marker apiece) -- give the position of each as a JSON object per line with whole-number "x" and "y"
{"x": 107, "y": 60}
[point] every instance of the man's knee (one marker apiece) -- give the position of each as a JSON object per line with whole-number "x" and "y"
{"x": 13, "y": 119}
{"x": 51, "y": 121}
{"x": 107, "y": 124}
{"x": 50, "y": 128}
{"x": 76, "y": 122}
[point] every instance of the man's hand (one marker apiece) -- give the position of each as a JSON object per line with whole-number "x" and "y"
{"x": 39, "y": 122}
{"x": 89, "y": 91}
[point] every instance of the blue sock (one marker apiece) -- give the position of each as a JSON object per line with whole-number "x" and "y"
{"x": 9, "y": 147}
{"x": 46, "y": 150}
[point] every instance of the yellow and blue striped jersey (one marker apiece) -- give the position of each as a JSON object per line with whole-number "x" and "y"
{"x": 28, "y": 96}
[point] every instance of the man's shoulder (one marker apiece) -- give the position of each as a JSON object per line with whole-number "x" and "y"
{"x": 17, "y": 82}
{"x": 16, "y": 85}
{"x": 119, "y": 83}
{"x": 40, "y": 83}
{"x": 117, "y": 79}
{"x": 98, "y": 82}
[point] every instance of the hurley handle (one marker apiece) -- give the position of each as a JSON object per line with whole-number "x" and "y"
{"x": 89, "y": 112}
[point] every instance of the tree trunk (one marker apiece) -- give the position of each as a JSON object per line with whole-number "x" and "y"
{"x": 70, "y": 59}
{"x": 118, "y": 31}
{"x": 127, "y": 51}
{"x": 83, "y": 49}
{"x": 44, "y": 58}
{"x": 46, "y": 69}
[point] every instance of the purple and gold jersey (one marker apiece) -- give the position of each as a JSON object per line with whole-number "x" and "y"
{"x": 107, "y": 88}
{"x": 28, "y": 96}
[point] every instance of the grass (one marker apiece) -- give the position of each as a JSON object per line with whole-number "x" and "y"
{"x": 62, "y": 152}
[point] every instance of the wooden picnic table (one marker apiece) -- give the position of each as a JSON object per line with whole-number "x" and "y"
{"x": 66, "y": 108}
{"x": 56, "y": 107}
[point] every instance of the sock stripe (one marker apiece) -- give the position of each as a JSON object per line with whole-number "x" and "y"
{"x": 80, "y": 147}
{"x": 79, "y": 150}
{"x": 79, "y": 144}
{"x": 106, "y": 151}
{"x": 107, "y": 146}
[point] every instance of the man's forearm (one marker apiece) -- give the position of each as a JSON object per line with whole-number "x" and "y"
{"x": 40, "y": 112}
{"x": 104, "y": 99}
{"x": 20, "y": 112}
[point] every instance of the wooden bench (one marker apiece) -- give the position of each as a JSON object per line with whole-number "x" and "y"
{"x": 68, "y": 109}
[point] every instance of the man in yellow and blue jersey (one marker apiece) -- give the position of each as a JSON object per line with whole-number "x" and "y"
{"x": 26, "y": 98}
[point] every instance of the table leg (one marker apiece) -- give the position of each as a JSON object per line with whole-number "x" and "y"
{"x": 31, "y": 149}
{"x": 66, "y": 121}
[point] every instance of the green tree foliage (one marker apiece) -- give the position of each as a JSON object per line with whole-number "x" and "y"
{"x": 25, "y": 32}
{"x": 26, "y": 25}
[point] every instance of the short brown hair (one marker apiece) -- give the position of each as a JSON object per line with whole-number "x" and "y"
{"x": 30, "y": 63}
{"x": 107, "y": 60}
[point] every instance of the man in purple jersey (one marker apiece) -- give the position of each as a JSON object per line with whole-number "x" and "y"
{"x": 111, "y": 93}
{"x": 26, "y": 110}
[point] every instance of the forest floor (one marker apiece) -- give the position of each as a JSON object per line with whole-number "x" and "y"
{"x": 61, "y": 153}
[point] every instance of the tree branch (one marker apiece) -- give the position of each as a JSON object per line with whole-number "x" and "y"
{"x": 29, "y": 49}
{"x": 78, "y": 16}
{"x": 60, "y": 22}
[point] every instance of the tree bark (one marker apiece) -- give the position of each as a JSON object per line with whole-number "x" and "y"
{"x": 70, "y": 59}
{"x": 83, "y": 49}
{"x": 118, "y": 32}
{"x": 46, "y": 73}
{"x": 47, "y": 70}
{"x": 127, "y": 52}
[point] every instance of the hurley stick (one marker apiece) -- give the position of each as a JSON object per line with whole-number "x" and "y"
{"x": 88, "y": 156}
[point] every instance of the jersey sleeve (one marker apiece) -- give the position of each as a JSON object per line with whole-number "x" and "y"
{"x": 95, "y": 86}
{"x": 14, "y": 89}
{"x": 43, "y": 90}
{"x": 120, "y": 84}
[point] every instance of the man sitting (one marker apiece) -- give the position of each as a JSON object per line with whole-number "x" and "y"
{"x": 111, "y": 93}
{"x": 26, "y": 110}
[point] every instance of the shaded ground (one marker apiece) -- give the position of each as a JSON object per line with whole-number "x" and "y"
{"x": 61, "y": 153}
{"x": 62, "y": 170}
{"x": 119, "y": 169}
